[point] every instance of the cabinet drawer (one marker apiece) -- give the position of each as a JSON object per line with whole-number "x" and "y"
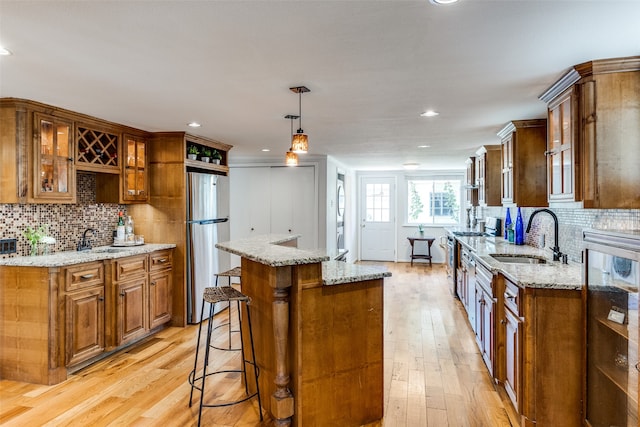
{"x": 84, "y": 276}
{"x": 131, "y": 267}
{"x": 160, "y": 260}
{"x": 512, "y": 298}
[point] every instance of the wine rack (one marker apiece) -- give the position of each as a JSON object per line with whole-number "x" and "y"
{"x": 97, "y": 150}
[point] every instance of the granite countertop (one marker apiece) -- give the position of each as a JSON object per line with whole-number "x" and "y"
{"x": 61, "y": 259}
{"x": 266, "y": 249}
{"x": 550, "y": 275}
{"x": 338, "y": 272}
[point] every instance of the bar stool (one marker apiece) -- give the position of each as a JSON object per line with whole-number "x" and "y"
{"x": 234, "y": 272}
{"x": 212, "y": 296}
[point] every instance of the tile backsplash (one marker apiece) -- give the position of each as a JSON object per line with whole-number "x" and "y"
{"x": 66, "y": 222}
{"x": 571, "y": 223}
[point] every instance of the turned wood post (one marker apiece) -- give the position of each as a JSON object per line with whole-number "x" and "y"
{"x": 282, "y": 399}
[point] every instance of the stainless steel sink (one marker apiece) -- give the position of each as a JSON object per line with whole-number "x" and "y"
{"x": 519, "y": 259}
{"x": 108, "y": 250}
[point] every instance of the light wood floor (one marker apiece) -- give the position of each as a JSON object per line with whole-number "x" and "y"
{"x": 434, "y": 374}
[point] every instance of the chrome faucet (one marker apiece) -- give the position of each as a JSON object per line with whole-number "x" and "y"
{"x": 556, "y": 249}
{"x": 85, "y": 244}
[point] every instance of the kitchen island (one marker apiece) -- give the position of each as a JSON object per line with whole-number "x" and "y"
{"x": 318, "y": 332}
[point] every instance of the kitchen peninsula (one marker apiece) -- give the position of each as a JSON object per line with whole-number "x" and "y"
{"x": 318, "y": 332}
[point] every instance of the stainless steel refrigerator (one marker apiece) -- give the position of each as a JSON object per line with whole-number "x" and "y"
{"x": 207, "y": 224}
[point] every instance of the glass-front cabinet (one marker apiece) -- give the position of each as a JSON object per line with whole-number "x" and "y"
{"x": 612, "y": 278}
{"x": 54, "y": 172}
{"x": 135, "y": 169}
{"x": 561, "y": 149}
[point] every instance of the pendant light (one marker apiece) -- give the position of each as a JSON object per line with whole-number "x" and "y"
{"x": 291, "y": 159}
{"x": 300, "y": 141}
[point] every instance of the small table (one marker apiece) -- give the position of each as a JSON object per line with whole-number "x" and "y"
{"x": 429, "y": 241}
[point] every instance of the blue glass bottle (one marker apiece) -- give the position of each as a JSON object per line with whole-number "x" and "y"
{"x": 519, "y": 229}
{"x": 507, "y": 224}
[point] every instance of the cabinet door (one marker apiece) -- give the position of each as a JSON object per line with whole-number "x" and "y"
{"x": 135, "y": 170}
{"x": 84, "y": 325}
{"x": 513, "y": 358}
{"x": 293, "y": 203}
{"x": 487, "y": 328}
{"x": 131, "y": 309}
{"x": 507, "y": 169}
{"x": 251, "y": 202}
{"x": 561, "y": 146}
{"x": 480, "y": 176}
{"x": 159, "y": 298}
{"x": 54, "y": 172}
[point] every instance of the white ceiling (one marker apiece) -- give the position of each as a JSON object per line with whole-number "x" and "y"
{"x": 372, "y": 68}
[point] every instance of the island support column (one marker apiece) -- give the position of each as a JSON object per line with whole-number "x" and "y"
{"x": 282, "y": 399}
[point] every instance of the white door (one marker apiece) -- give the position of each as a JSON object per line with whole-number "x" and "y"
{"x": 293, "y": 204}
{"x": 249, "y": 201}
{"x": 377, "y": 219}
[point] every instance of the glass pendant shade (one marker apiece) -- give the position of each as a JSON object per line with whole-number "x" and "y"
{"x": 300, "y": 142}
{"x": 291, "y": 159}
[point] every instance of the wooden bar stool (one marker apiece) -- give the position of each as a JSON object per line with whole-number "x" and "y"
{"x": 212, "y": 296}
{"x": 234, "y": 272}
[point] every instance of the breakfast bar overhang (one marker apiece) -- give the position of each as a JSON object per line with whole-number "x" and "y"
{"x": 318, "y": 332}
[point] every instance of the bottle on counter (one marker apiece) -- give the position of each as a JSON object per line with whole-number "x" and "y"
{"x": 519, "y": 229}
{"x": 128, "y": 230}
{"x": 120, "y": 232}
{"x": 507, "y": 224}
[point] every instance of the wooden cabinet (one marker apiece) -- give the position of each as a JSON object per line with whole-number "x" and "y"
{"x": 54, "y": 173}
{"x": 612, "y": 275}
{"x": 593, "y": 142}
{"x": 160, "y": 288}
{"x": 470, "y": 176}
{"x": 488, "y": 175}
{"x": 84, "y": 302}
{"x": 97, "y": 148}
{"x": 523, "y": 163}
{"x": 485, "y": 315}
{"x": 541, "y": 341}
{"x": 134, "y": 173}
{"x": 131, "y": 297}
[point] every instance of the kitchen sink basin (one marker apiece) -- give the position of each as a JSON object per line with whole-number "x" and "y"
{"x": 108, "y": 251}
{"x": 519, "y": 259}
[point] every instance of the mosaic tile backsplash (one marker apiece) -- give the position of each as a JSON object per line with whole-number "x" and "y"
{"x": 571, "y": 223}
{"x": 66, "y": 223}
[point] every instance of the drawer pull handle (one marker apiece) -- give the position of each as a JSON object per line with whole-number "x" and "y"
{"x": 87, "y": 276}
{"x": 162, "y": 260}
{"x": 507, "y": 295}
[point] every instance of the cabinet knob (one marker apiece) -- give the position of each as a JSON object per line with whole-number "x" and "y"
{"x": 122, "y": 294}
{"x": 289, "y": 230}
{"x": 70, "y": 159}
{"x": 100, "y": 298}
{"x": 252, "y": 228}
{"x": 502, "y": 321}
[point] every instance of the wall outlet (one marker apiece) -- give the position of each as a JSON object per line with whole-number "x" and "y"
{"x": 8, "y": 246}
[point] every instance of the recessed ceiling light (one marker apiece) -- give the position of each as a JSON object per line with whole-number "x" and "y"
{"x": 194, "y": 125}
{"x": 266, "y": 150}
{"x": 411, "y": 166}
{"x": 424, "y": 146}
{"x": 4, "y": 51}
{"x": 429, "y": 113}
{"x": 443, "y": 1}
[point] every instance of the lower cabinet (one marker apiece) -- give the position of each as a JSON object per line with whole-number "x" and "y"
{"x": 84, "y": 324}
{"x": 131, "y": 322}
{"x": 541, "y": 331}
{"x": 159, "y": 298}
{"x": 485, "y": 316}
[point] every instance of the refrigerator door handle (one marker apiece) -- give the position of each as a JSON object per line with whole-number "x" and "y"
{"x": 208, "y": 221}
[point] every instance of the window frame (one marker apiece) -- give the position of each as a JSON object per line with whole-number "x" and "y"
{"x": 452, "y": 176}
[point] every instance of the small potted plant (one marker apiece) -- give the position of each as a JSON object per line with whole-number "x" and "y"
{"x": 216, "y": 156}
{"x": 205, "y": 155}
{"x": 192, "y": 152}
{"x": 34, "y": 235}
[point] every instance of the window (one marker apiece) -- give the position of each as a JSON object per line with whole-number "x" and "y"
{"x": 433, "y": 201}
{"x": 378, "y": 208}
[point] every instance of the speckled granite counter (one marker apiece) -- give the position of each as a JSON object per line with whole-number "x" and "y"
{"x": 338, "y": 272}
{"x": 61, "y": 259}
{"x": 551, "y": 275}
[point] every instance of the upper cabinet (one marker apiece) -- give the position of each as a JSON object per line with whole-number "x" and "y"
{"x": 523, "y": 163}
{"x": 97, "y": 149}
{"x": 488, "y": 175}
{"x": 134, "y": 171}
{"x": 471, "y": 189}
{"x": 54, "y": 174}
{"x": 593, "y": 142}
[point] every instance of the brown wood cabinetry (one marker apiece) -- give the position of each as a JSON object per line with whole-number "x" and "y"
{"x": 594, "y": 135}
{"x": 97, "y": 148}
{"x": 71, "y": 316}
{"x": 84, "y": 300}
{"x": 488, "y": 175}
{"x": 523, "y": 163}
{"x": 542, "y": 353}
